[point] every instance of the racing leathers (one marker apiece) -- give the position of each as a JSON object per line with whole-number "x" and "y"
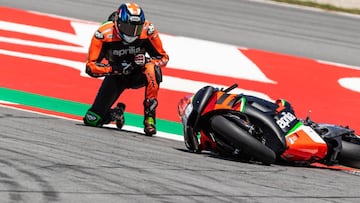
{"x": 125, "y": 65}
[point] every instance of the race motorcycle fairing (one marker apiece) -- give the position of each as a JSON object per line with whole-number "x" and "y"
{"x": 247, "y": 126}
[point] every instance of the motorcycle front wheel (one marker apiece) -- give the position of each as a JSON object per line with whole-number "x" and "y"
{"x": 241, "y": 139}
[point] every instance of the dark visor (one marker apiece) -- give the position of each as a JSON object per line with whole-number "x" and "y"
{"x": 129, "y": 29}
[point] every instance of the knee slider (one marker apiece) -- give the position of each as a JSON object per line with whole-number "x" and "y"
{"x": 92, "y": 119}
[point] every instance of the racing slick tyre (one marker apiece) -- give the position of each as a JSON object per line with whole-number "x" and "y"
{"x": 242, "y": 139}
{"x": 350, "y": 155}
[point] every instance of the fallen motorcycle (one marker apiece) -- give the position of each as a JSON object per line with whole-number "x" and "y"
{"x": 256, "y": 129}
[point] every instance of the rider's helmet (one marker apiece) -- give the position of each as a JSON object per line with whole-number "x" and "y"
{"x": 129, "y": 21}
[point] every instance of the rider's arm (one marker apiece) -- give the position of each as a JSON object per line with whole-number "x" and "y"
{"x": 94, "y": 67}
{"x": 155, "y": 49}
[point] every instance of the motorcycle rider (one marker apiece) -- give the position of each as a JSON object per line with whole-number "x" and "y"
{"x": 128, "y": 51}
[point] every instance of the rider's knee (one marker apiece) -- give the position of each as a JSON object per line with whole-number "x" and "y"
{"x": 92, "y": 119}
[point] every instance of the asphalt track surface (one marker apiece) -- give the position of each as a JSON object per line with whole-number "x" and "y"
{"x": 49, "y": 159}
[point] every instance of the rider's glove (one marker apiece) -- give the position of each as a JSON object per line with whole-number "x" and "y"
{"x": 98, "y": 72}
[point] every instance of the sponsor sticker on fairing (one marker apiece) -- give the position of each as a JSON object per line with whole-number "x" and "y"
{"x": 285, "y": 120}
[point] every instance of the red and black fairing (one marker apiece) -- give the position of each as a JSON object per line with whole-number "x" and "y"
{"x": 262, "y": 114}
{"x": 274, "y": 124}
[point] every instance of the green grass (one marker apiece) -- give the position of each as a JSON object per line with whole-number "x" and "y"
{"x": 321, "y": 6}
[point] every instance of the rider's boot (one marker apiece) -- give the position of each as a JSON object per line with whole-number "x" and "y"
{"x": 149, "y": 116}
{"x": 117, "y": 115}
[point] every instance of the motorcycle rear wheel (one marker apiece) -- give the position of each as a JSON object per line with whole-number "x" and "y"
{"x": 350, "y": 155}
{"x": 242, "y": 139}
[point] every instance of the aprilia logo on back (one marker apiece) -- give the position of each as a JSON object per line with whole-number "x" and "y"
{"x": 130, "y": 50}
{"x": 285, "y": 119}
